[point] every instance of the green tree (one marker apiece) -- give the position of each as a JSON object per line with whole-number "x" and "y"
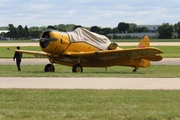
{"x": 95, "y": 29}
{"x": 132, "y": 28}
{"x": 26, "y": 30}
{"x": 43, "y": 28}
{"x": 13, "y": 32}
{"x": 21, "y": 30}
{"x": 61, "y": 27}
{"x": 105, "y": 31}
{"x": 35, "y": 32}
{"x": 177, "y": 29}
{"x": 142, "y": 29}
{"x": 114, "y": 30}
{"x": 51, "y": 27}
{"x": 70, "y": 27}
{"x": 123, "y": 27}
{"x": 165, "y": 31}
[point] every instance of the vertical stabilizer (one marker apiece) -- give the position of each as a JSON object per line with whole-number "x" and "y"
{"x": 144, "y": 42}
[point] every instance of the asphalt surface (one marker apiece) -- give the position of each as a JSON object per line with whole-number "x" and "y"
{"x": 90, "y": 83}
{"x": 44, "y": 61}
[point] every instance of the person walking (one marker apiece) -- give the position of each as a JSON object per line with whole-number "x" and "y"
{"x": 18, "y": 56}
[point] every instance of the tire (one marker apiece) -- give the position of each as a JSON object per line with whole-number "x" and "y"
{"x": 77, "y": 68}
{"x": 49, "y": 68}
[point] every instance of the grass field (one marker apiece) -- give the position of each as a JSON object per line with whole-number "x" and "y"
{"x": 154, "y": 71}
{"x": 28, "y": 104}
{"x": 8, "y": 52}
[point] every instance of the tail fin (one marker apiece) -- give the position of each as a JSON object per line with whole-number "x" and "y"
{"x": 144, "y": 42}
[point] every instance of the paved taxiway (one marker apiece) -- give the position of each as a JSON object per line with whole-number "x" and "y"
{"x": 165, "y": 61}
{"x": 90, "y": 83}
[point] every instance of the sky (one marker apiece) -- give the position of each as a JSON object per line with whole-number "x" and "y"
{"x": 87, "y": 13}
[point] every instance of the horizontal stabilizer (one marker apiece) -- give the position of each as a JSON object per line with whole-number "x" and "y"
{"x": 154, "y": 58}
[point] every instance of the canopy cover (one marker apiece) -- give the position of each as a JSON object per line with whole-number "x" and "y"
{"x": 83, "y": 35}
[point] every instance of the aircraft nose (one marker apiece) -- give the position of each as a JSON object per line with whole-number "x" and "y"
{"x": 43, "y": 42}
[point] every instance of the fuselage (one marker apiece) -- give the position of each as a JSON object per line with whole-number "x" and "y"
{"x": 63, "y": 45}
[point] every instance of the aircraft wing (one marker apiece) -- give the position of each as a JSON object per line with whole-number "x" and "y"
{"x": 37, "y": 53}
{"x": 149, "y": 53}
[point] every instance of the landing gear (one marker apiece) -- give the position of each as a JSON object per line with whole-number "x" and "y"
{"x": 77, "y": 68}
{"x": 49, "y": 68}
{"x": 135, "y": 69}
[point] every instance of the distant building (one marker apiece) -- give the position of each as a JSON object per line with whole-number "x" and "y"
{"x": 151, "y": 28}
{"x": 4, "y": 31}
{"x": 150, "y": 34}
{"x": 1, "y": 35}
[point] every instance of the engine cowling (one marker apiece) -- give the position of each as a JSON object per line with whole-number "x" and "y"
{"x": 57, "y": 46}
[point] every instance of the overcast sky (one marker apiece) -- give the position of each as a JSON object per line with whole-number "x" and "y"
{"x": 104, "y": 13}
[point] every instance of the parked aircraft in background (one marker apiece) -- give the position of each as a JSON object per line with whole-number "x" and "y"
{"x": 82, "y": 48}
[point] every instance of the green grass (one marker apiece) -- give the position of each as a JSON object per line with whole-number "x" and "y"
{"x": 8, "y": 52}
{"x": 28, "y": 104}
{"x": 154, "y": 71}
{"x": 169, "y": 51}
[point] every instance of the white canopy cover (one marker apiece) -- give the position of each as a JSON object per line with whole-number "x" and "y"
{"x": 83, "y": 35}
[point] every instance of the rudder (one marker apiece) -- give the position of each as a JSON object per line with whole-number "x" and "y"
{"x": 145, "y": 42}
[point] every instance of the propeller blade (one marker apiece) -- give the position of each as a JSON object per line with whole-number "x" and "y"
{"x": 49, "y": 39}
{"x": 44, "y": 39}
{"x": 35, "y": 40}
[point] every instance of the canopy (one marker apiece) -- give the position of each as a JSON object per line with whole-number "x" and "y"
{"x": 83, "y": 35}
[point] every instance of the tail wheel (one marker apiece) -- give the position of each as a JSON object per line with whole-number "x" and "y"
{"x": 77, "y": 68}
{"x": 49, "y": 68}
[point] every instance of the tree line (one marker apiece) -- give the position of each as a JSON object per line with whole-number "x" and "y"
{"x": 165, "y": 31}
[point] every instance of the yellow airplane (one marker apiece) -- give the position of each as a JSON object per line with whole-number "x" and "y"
{"x": 82, "y": 48}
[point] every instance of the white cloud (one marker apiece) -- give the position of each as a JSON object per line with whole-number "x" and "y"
{"x": 104, "y": 13}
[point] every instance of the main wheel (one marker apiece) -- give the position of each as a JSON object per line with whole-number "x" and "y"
{"x": 49, "y": 68}
{"x": 77, "y": 68}
{"x": 134, "y": 70}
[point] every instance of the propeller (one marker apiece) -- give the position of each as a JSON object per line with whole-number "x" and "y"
{"x": 44, "y": 39}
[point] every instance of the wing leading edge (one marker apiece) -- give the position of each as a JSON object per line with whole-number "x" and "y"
{"x": 37, "y": 53}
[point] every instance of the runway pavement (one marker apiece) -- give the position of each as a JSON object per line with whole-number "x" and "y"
{"x": 90, "y": 83}
{"x": 44, "y": 61}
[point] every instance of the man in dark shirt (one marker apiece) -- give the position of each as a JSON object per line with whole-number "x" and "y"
{"x": 18, "y": 56}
